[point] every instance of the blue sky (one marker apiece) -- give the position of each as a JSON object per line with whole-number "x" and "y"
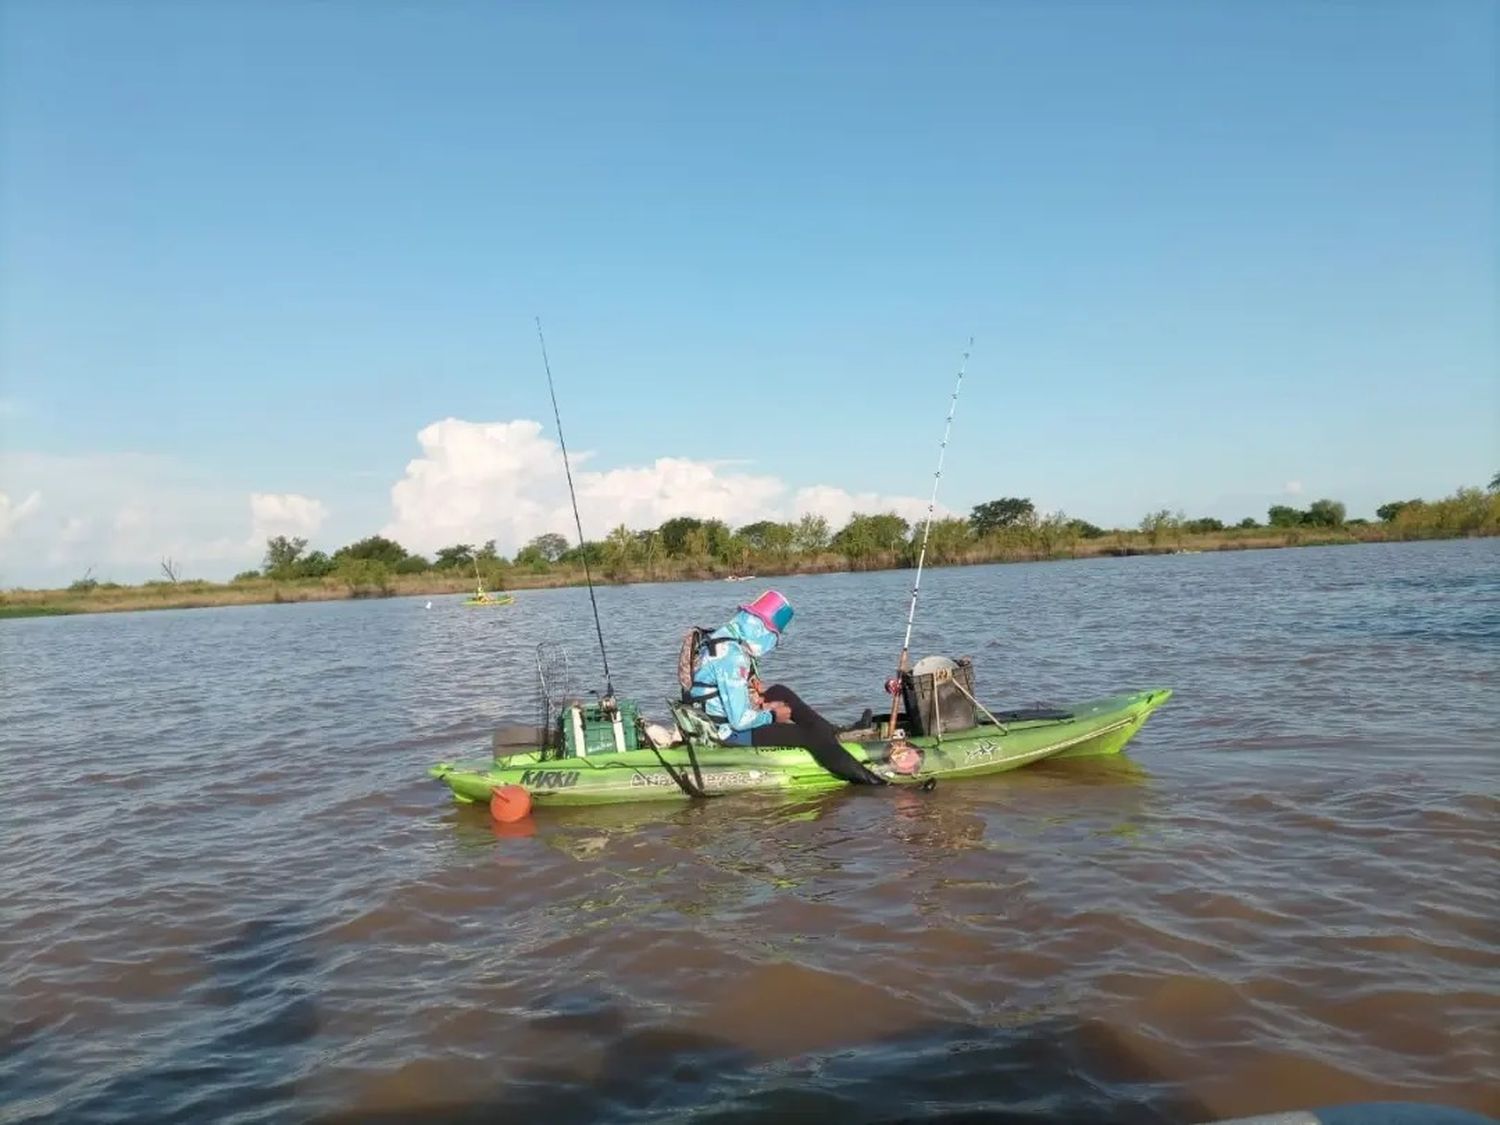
{"x": 1207, "y": 252}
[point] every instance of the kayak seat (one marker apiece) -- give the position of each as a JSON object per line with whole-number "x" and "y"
{"x": 863, "y": 729}
{"x": 696, "y": 727}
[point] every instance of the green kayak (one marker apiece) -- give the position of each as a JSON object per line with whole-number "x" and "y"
{"x": 491, "y": 600}
{"x": 1090, "y": 729}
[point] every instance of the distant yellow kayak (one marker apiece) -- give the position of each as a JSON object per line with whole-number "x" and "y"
{"x": 488, "y": 600}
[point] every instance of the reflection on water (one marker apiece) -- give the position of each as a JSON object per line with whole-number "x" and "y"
{"x": 231, "y": 893}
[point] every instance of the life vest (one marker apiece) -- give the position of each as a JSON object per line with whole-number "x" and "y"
{"x": 695, "y": 642}
{"x": 719, "y": 667}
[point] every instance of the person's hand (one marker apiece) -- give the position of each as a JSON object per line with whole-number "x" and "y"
{"x": 782, "y": 711}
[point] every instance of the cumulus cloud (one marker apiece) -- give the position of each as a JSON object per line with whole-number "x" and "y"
{"x": 836, "y": 505}
{"x": 122, "y": 513}
{"x": 505, "y": 481}
{"x": 11, "y": 514}
{"x": 284, "y": 513}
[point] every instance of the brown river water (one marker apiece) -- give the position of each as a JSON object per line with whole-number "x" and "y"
{"x": 231, "y": 893}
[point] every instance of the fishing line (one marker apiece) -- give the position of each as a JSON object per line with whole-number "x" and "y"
{"x": 609, "y": 684}
{"x": 937, "y": 477}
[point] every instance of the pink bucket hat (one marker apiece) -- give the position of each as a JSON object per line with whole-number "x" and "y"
{"x": 773, "y": 609}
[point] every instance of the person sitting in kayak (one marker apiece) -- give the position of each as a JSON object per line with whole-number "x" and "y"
{"x": 727, "y": 686}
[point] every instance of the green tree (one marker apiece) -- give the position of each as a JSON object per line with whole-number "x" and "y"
{"x": 755, "y": 533}
{"x": 736, "y": 551}
{"x": 1469, "y": 511}
{"x": 364, "y": 577}
{"x": 1247, "y": 523}
{"x": 768, "y": 536}
{"x": 811, "y": 535}
{"x": 282, "y": 555}
{"x": 1494, "y": 485}
{"x": 1050, "y": 533}
{"x": 694, "y": 543}
{"x": 550, "y": 546}
{"x": 649, "y": 545}
{"x": 721, "y": 541}
{"x": 1160, "y": 525}
{"x": 460, "y": 556}
{"x": 1280, "y": 515}
{"x": 620, "y": 550}
{"x": 490, "y": 567}
{"x": 1386, "y": 513}
{"x": 948, "y": 541}
{"x": 412, "y": 564}
{"x": 674, "y": 536}
{"x": 778, "y": 540}
{"x": 1085, "y": 530}
{"x": 865, "y": 537}
{"x": 591, "y": 551}
{"x": 1325, "y": 513}
{"x": 377, "y": 548}
{"x": 1204, "y": 525}
{"x": 315, "y": 565}
{"x": 993, "y": 515}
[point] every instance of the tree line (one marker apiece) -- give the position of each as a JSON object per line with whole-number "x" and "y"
{"x": 1007, "y": 527}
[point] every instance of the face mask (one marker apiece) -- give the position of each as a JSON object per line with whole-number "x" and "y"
{"x": 753, "y": 633}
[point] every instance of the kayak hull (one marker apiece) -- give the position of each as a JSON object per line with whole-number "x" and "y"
{"x": 1100, "y": 727}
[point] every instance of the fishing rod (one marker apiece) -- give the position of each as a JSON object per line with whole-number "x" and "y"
{"x": 911, "y": 613}
{"x": 609, "y": 684}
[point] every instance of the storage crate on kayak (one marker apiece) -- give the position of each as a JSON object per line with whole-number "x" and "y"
{"x": 939, "y": 695}
{"x": 594, "y": 728}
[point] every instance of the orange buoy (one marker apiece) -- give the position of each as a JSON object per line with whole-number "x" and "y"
{"x": 510, "y": 803}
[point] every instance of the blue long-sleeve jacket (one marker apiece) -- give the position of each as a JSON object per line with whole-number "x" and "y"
{"x": 721, "y": 680}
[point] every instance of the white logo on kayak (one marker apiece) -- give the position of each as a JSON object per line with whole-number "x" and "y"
{"x": 721, "y": 780}
{"x": 980, "y": 753}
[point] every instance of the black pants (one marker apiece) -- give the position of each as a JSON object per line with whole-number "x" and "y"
{"x": 812, "y": 732}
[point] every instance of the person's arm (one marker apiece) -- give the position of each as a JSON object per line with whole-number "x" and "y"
{"x": 734, "y": 693}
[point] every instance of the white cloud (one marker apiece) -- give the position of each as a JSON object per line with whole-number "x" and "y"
{"x": 131, "y": 520}
{"x": 836, "y": 505}
{"x": 75, "y": 530}
{"x": 283, "y": 513}
{"x": 122, "y": 513}
{"x": 505, "y": 481}
{"x": 12, "y": 514}
{"x": 1292, "y": 488}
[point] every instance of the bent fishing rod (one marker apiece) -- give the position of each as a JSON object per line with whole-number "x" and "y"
{"x": 911, "y": 613}
{"x": 609, "y": 684}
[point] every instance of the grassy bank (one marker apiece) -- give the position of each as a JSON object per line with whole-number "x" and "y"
{"x": 114, "y": 598}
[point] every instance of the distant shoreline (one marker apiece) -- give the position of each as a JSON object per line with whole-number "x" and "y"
{"x": 113, "y": 598}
